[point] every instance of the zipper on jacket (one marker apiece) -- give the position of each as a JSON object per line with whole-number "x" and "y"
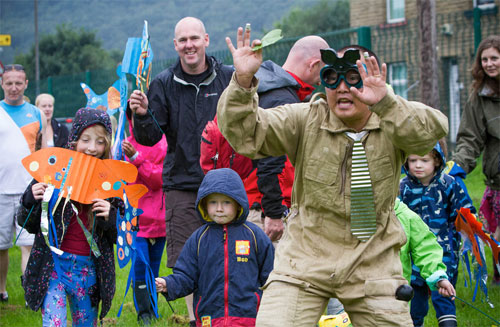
{"x": 215, "y": 159}
{"x": 196, "y": 311}
{"x": 258, "y": 301}
{"x": 226, "y": 278}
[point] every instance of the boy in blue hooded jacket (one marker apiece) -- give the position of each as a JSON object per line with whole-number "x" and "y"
{"x": 435, "y": 196}
{"x": 224, "y": 262}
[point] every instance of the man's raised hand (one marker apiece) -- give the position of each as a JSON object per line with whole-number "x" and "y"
{"x": 246, "y": 61}
{"x": 374, "y": 87}
{"x": 139, "y": 103}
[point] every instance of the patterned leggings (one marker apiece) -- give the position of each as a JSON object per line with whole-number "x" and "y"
{"x": 78, "y": 275}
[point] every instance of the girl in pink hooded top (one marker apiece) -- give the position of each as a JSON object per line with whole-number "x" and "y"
{"x": 152, "y": 231}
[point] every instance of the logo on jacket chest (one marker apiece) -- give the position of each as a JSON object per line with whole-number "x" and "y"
{"x": 242, "y": 248}
{"x": 206, "y": 95}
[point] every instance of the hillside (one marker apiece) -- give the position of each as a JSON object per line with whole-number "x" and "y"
{"x": 116, "y": 20}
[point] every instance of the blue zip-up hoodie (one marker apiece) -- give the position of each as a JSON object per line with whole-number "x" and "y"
{"x": 224, "y": 265}
{"x": 437, "y": 205}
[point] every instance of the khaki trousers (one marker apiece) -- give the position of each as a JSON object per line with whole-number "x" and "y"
{"x": 295, "y": 303}
{"x": 255, "y": 216}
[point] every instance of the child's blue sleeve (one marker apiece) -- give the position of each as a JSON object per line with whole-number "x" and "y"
{"x": 184, "y": 278}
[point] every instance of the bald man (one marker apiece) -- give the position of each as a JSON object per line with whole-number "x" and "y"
{"x": 269, "y": 187}
{"x": 182, "y": 99}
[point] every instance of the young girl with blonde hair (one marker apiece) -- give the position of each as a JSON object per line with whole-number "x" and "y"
{"x": 78, "y": 271}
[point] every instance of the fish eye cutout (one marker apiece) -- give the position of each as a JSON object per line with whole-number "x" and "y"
{"x": 52, "y": 160}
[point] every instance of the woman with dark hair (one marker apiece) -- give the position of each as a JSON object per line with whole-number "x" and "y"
{"x": 480, "y": 130}
{"x": 486, "y": 67}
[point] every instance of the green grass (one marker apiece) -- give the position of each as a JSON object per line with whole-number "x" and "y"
{"x": 14, "y": 314}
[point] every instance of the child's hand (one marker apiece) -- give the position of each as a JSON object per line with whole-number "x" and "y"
{"x": 161, "y": 285}
{"x": 446, "y": 289}
{"x": 38, "y": 190}
{"x": 101, "y": 208}
{"x": 128, "y": 148}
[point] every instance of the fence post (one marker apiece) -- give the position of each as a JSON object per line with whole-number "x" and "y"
{"x": 87, "y": 77}
{"x": 477, "y": 27}
{"x": 365, "y": 37}
{"x": 49, "y": 85}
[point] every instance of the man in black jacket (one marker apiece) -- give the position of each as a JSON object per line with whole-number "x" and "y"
{"x": 180, "y": 102}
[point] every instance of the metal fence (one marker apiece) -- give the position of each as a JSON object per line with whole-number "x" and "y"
{"x": 393, "y": 44}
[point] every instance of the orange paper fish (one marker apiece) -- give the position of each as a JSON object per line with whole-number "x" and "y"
{"x": 467, "y": 223}
{"x": 89, "y": 177}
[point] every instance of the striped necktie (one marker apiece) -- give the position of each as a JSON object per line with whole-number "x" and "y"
{"x": 363, "y": 215}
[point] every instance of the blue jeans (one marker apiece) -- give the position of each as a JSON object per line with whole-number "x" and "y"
{"x": 77, "y": 276}
{"x": 419, "y": 305}
{"x": 152, "y": 253}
